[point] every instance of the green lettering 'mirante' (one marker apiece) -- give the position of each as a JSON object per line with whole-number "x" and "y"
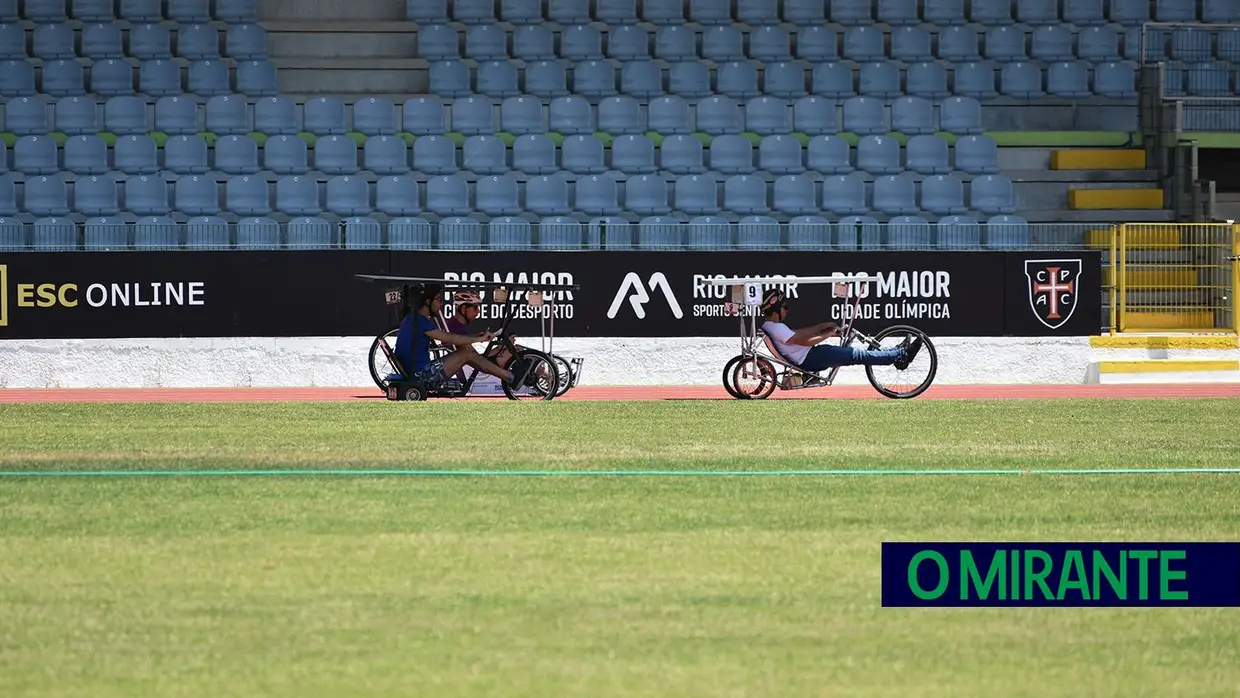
{"x": 1039, "y": 577}
{"x": 1165, "y": 575}
{"x": 1103, "y": 568}
{"x": 969, "y": 577}
{"x": 1143, "y": 578}
{"x": 1075, "y": 566}
{"x": 944, "y": 575}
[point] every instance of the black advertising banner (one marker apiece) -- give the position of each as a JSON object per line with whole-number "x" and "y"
{"x": 622, "y": 294}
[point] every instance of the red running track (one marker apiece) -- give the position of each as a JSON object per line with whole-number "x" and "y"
{"x": 595, "y": 393}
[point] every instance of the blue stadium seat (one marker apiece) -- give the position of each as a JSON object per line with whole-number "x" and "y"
{"x": 336, "y": 155}
{"x": 913, "y": 116}
{"x": 647, "y": 195}
{"x": 429, "y": 11}
{"x": 668, "y": 116}
{"x": 125, "y": 116}
{"x": 245, "y": 42}
{"x": 708, "y": 233}
{"x": 863, "y": 44}
{"x": 927, "y": 79}
{"x": 1068, "y": 79}
{"x": 188, "y": 11}
{"x": 959, "y": 44}
{"x": 786, "y": 80}
{"x": 534, "y": 154}
{"x": 105, "y": 234}
{"x": 196, "y": 195}
{"x": 829, "y": 154}
{"x": 627, "y": 43}
{"x": 879, "y": 155}
{"x": 297, "y": 196}
{"x": 780, "y": 155}
{"x": 814, "y": 115}
{"x": 943, "y": 13}
{"x": 718, "y": 116}
{"x": 54, "y": 234}
{"x": 977, "y": 154}
{"x": 457, "y": 233}
{"x": 1220, "y": 12}
{"x": 895, "y": 195}
{"x": 27, "y": 116}
{"x": 275, "y": 116}
{"x": 809, "y": 233}
{"x": 435, "y": 155}
{"x": 156, "y": 232}
{"x": 236, "y": 155}
{"x": 509, "y": 233}
{"x": 207, "y": 78}
{"x": 673, "y": 43}
{"x": 689, "y": 79}
{"x": 731, "y": 154}
{"x": 710, "y": 12}
{"x": 198, "y": 42}
{"x": 961, "y": 116}
{"x": 1116, "y": 79}
{"x": 848, "y": 12}
{"x": 99, "y": 40}
{"x": 1005, "y": 231}
{"x": 160, "y": 77}
{"x": 833, "y": 79}
{"x": 859, "y": 231}
{"x": 147, "y": 196}
{"x": 660, "y": 232}
{"x": 897, "y": 13}
{"x": 533, "y": 42}
{"x": 597, "y": 195}
{"x": 738, "y": 80}
{"x": 52, "y": 41}
{"x": 560, "y": 233}
{"x": 484, "y": 155}
{"x": 844, "y": 194}
{"x": 696, "y": 195}
{"x": 721, "y": 44}
{"x": 975, "y": 79}
{"x": 8, "y": 196}
{"x": 362, "y": 233}
{"x": 1228, "y": 48}
{"x": 448, "y": 195}
{"x": 767, "y": 116}
{"x": 35, "y": 155}
{"x": 150, "y": 42}
{"x": 943, "y": 195}
{"x": 424, "y": 116}
{"x": 682, "y": 155}
{"x": 248, "y": 196}
{"x": 227, "y": 115}
{"x": 186, "y": 155}
{"x": 1005, "y": 44}
{"x": 135, "y": 155}
{"x": 806, "y": 13}
{"x": 991, "y": 194}
{"x": 794, "y": 195}
{"x": 595, "y": 79}
{"x": 633, "y": 154}
{"x": 927, "y": 154}
{"x": 1084, "y": 13}
{"x": 568, "y": 11}
{"x": 438, "y": 42}
{"x": 470, "y": 116}
{"x": 63, "y": 78}
{"x": 174, "y": 116}
{"x": 348, "y": 196}
{"x": 46, "y": 195}
{"x": 609, "y": 232}
{"x": 959, "y": 232}
{"x": 521, "y": 115}
{"x": 582, "y": 155}
{"x": 745, "y": 194}
{"x": 450, "y": 78}
{"x": 1052, "y": 43}
{"x": 87, "y": 10}
{"x": 398, "y": 195}
{"x": 1175, "y": 11}
{"x": 909, "y": 232}
{"x": 112, "y": 78}
{"x": 865, "y": 116}
{"x": 374, "y": 116}
{"x": 757, "y": 12}
{"x": 571, "y": 116}
{"x": 1129, "y": 12}
{"x": 258, "y": 233}
{"x": 758, "y": 233}
{"x": 86, "y": 155}
{"x": 410, "y": 234}
{"x": 486, "y": 42}
{"x": 385, "y": 155}
{"x": 817, "y": 44}
{"x": 770, "y": 44}
{"x": 546, "y": 79}
{"x": 1097, "y": 44}
{"x": 95, "y": 196}
{"x": 1191, "y": 45}
{"x": 1023, "y": 80}
{"x": 255, "y": 78}
{"x": 991, "y": 13}
{"x": 1037, "y": 12}
{"x": 473, "y": 11}
{"x": 1210, "y": 79}
{"x": 547, "y": 195}
{"x": 911, "y": 44}
{"x": 12, "y": 42}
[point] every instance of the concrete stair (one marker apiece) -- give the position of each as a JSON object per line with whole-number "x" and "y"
{"x": 1164, "y": 358}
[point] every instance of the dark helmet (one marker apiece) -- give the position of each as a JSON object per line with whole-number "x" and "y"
{"x": 773, "y": 300}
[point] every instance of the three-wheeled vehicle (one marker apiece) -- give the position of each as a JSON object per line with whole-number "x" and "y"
{"x": 552, "y": 374}
{"x": 759, "y": 356}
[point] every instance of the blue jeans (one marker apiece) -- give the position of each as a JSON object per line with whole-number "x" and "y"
{"x": 824, "y": 356}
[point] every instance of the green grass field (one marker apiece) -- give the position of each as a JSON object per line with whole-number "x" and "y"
{"x": 598, "y": 586}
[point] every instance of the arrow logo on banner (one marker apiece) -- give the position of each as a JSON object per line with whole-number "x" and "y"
{"x": 633, "y": 288}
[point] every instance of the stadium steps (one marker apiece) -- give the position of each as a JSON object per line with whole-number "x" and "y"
{"x": 1164, "y": 358}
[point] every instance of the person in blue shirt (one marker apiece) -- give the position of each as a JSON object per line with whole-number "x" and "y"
{"x": 413, "y": 348}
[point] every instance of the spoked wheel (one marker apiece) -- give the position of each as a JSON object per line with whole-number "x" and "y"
{"x": 380, "y": 366}
{"x": 543, "y": 378}
{"x": 913, "y": 379}
{"x": 728, "y": 369}
{"x": 565, "y": 372}
{"x": 754, "y": 378}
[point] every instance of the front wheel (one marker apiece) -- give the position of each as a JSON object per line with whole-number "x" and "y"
{"x": 728, "y": 369}
{"x": 749, "y": 370}
{"x": 894, "y": 382}
{"x": 541, "y": 383}
{"x": 380, "y": 366}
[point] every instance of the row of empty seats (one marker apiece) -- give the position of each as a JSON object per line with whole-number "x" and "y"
{"x": 100, "y": 41}
{"x": 180, "y": 11}
{"x": 675, "y": 44}
{"x": 153, "y": 78}
{"x": 486, "y": 155}
{"x": 597, "y": 80}
{"x": 502, "y": 195}
{"x": 654, "y": 232}
{"x": 816, "y": 12}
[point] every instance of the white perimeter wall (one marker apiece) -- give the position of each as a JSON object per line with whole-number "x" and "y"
{"x": 343, "y": 361}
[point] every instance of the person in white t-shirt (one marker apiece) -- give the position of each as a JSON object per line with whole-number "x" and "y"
{"x": 804, "y": 347}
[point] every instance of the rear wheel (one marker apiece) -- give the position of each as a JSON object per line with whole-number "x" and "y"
{"x": 754, "y": 378}
{"x": 912, "y": 380}
{"x": 380, "y": 366}
{"x": 728, "y": 368}
{"x": 541, "y": 383}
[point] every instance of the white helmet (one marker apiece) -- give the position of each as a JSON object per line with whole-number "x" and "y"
{"x": 461, "y": 298}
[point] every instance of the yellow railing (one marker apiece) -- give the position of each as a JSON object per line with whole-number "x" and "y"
{"x": 1173, "y": 277}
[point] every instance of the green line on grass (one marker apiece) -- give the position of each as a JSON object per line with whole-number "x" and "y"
{"x": 610, "y": 473}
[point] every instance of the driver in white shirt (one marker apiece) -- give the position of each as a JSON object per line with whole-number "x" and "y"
{"x": 804, "y": 347}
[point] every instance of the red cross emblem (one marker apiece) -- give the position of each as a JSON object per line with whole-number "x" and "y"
{"x": 1052, "y": 289}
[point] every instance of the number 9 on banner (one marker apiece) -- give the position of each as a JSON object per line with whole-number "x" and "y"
{"x": 753, "y": 294}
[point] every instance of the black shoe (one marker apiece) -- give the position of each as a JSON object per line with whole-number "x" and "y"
{"x": 910, "y": 352}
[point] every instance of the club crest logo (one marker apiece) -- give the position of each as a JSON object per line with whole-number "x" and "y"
{"x": 1053, "y": 289}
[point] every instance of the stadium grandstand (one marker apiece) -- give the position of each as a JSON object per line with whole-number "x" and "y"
{"x": 509, "y": 124}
